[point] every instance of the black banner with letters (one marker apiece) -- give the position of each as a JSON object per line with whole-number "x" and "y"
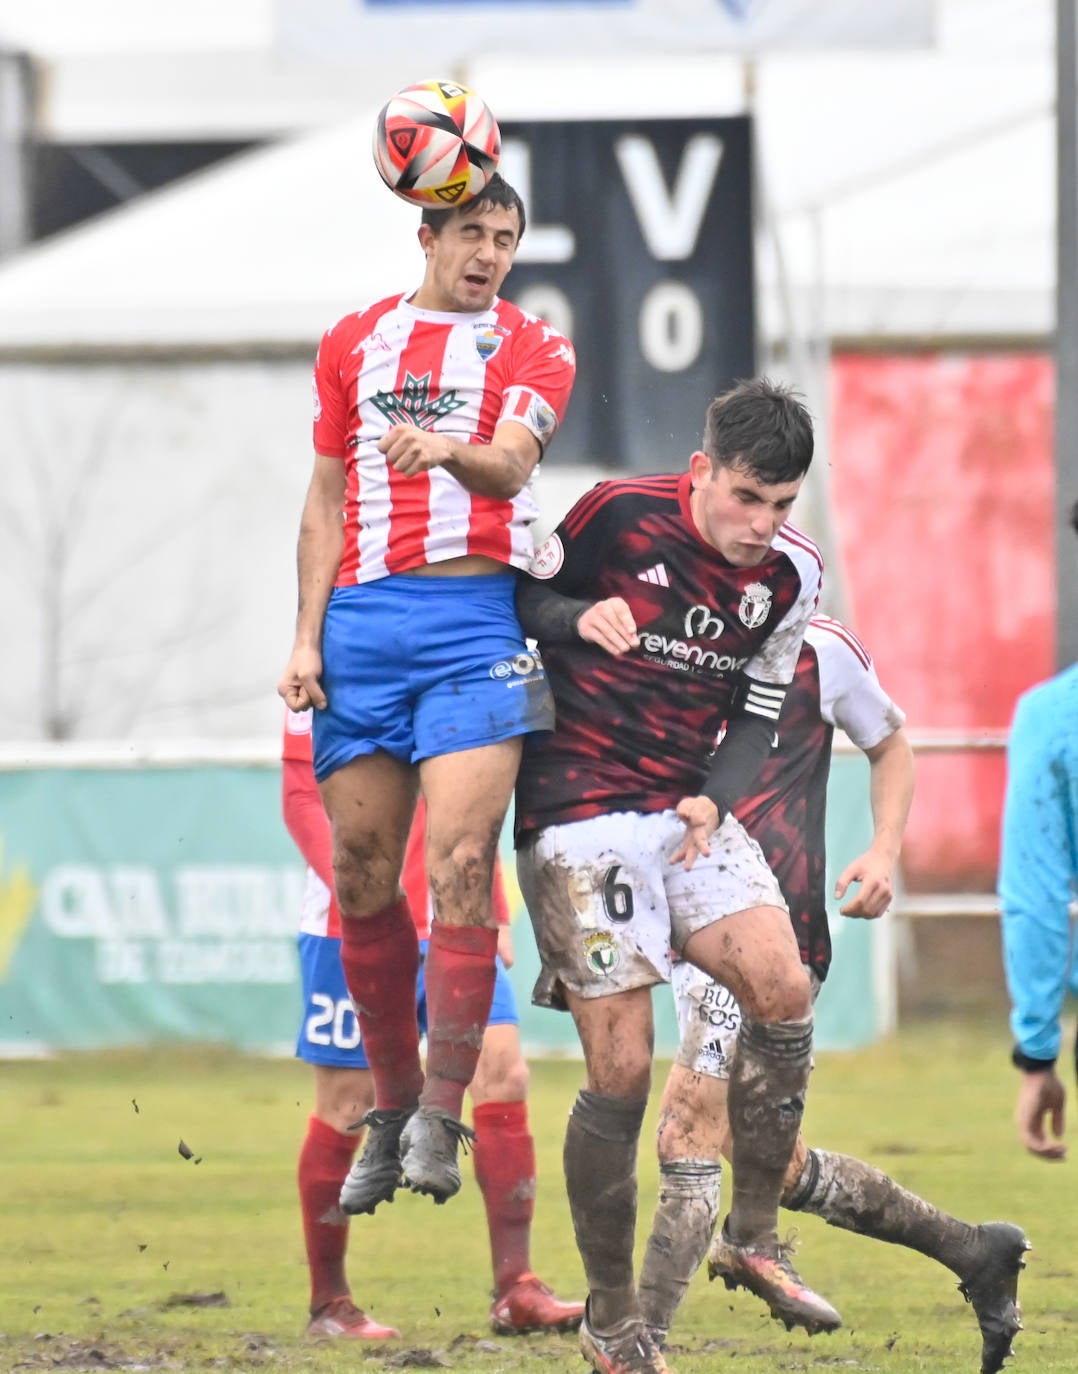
{"x": 639, "y": 247}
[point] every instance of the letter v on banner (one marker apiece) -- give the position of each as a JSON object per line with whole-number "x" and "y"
{"x": 639, "y": 247}
{"x": 669, "y": 220}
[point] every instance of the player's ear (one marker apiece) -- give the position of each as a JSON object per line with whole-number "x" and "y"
{"x": 700, "y": 468}
{"x": 426, "y": 237}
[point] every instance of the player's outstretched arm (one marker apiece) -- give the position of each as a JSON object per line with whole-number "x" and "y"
{"x": 734, "y": 766}
{"x": 891, "y": 790}
{"x": 549, "y": 617}
{"x": 1041, "y": 1098}
{"x": 318, "y": 557}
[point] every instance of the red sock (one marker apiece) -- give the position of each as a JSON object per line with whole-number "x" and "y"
{"x": 324, "y": 1159}
{"x": 380, "y": 956}
{"x": 504, "y": 1155}
{"x": 459, "y": 975}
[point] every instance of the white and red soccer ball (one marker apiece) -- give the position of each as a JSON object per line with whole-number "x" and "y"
{"x": 436, "y": 144}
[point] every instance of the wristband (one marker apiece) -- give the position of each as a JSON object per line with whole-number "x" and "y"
{"x": 1028, "y": 1064}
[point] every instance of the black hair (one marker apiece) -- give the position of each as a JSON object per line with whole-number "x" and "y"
{"x": 1074, "y": 527}
{"x": 497, "y": 192}
{"x": 762, "y": 428}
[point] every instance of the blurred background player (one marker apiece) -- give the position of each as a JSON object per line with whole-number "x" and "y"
{"x": 1038, "y": 885}
{"x": 835, "y": 685}
{"x": 503, "y": 1151}
{"x": 432, "y": 411}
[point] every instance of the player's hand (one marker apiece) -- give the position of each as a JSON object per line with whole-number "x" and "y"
{"x": 300, "y": 685}
{"x": 610, "y": 625}
{"x": 701, "y": 817}
{"x": 1041, "y": 1097}
{"x": 875, "y": 874}
{"x": 505, "y": 946}
{"x": 410, "y": 450}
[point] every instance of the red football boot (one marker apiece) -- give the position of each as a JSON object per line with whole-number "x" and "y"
{"x": 529, "y": 1305}
{"x": 342, "y": 1317}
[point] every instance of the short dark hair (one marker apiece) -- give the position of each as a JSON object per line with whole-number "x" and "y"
{"x": 762, "y": 428}
{"x": 1074, "y": 517}
{"x": 496, "y": 193}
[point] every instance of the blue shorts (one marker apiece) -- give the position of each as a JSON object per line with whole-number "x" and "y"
{"x": 329, "y": 1033}
{"x": 422, "y": 666}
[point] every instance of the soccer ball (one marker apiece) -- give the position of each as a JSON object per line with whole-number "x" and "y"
{"x": 436, "y": 144}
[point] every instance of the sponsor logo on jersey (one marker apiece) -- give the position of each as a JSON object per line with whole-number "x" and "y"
{"x": 548, "y": 558}
{"x": 755, "y": 605}
{"x": 488, "y": 339}
{"x": 701, "y": 623}
{"x": 657, "y": 575}
{"x": 523, "y": 665}
{"x": 413, "y": 404}
{"x": 373, "y": 343}
{"x": 601, "y": 952}
{"x": 684, "y": 657}
{"x": 317, "y": 400}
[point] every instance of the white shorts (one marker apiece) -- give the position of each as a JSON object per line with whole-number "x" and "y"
{"x": 607, "y": 905}
{"x": 708, "y": 1018}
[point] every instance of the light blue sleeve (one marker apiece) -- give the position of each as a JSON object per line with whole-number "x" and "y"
{"x": 1038, "y": 872}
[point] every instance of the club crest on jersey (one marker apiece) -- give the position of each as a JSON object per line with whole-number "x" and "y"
{"x": 755, "y": 605}
{"x": 488, "y": 339}
{"x": 601, "y": 952}
{"x": 413, "y": 404}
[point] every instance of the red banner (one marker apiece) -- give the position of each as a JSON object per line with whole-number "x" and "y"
{"x": 943, "y": 487}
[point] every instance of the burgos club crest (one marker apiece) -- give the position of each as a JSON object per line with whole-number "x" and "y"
{"x": 601, "y": 952}
{"x": 755, "y": 605}
{"x": 488, "y": 339}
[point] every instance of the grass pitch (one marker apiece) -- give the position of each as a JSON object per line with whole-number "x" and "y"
{"x": 118, "y": 1252}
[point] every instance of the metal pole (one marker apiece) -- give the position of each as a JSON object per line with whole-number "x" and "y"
{"x": 1066, "y": 431}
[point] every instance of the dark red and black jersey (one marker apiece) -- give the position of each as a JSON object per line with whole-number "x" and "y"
{"x": 634, "y": 733}
{"x": 835, "y": 685}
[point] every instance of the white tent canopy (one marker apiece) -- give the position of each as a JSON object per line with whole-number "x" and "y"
{"x": 909, "y": 194}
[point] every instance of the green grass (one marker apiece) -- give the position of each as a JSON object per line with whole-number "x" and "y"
{"x": 103, "y": 1225}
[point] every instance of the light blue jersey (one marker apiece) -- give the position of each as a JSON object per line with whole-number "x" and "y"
{"x": 1038, "y": 872}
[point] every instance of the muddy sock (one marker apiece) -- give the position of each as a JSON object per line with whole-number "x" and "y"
{"x": 380, "y": 957}
{"x": 504, "y": 1159}
{"x": 459, "y": 975}
{"x": 681, "y": 1231}
{"x": 765, "y": 1105}
{"x": 600, "y": 1177}
{"x": 853, "y": 1195}
{"x": 324, "y": 1159}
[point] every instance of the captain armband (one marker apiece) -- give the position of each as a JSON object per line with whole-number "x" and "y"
{"x": 763, "y": 699}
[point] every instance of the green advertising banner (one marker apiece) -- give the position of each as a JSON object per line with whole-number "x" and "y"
{"x": 160, "y": 903}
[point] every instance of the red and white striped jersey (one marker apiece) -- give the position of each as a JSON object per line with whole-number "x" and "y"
{"x": 458, "y": 374}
